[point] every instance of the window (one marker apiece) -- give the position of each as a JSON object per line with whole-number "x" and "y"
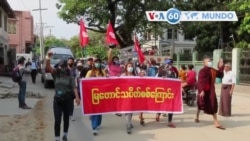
{"x": 5, "y": 23}
{"x": 0, "y": 18}
{"x": 188, "y": 37}
{"x": 12, "y": 27}
{"x": 186, "y": 51}
{"x": 169, "y": 34}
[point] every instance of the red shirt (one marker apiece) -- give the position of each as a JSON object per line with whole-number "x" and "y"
{"x": 191, "y": 78}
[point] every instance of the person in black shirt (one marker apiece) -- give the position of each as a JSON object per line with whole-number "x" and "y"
{"x": 87, "y": 67}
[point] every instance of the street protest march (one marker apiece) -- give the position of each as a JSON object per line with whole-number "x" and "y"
{"x": 130, "y": 95}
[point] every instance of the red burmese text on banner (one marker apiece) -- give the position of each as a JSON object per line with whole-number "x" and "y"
{"x": 83, "y": 35}
{"x": 130, "y": 94}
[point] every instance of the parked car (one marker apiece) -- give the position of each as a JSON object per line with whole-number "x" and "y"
{"x": 59, "y": 53}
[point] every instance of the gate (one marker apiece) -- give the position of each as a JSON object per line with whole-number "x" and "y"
{"x": 244, "y": 65}
{"x": 227, "y": 55}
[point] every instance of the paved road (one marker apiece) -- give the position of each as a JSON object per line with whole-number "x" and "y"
{"x": 113, "y": 128}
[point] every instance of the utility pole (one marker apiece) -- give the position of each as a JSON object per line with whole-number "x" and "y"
{"x": 50, "y": 29}
{"x": 172, "y": 50}
{"x": 41, "y": 29}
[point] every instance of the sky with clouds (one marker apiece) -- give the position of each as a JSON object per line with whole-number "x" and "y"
{"x": 58, "y": 27}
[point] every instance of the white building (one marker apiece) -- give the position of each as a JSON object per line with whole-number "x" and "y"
{"x": 5, "y": 13}
{"x": 182, "y": 43}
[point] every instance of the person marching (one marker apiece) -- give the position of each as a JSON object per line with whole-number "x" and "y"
{"x": 167, "y": 71}
{"x": 207, "y": 100}
{"x": 96, "y": 71}
{"x": 129, "y": 71}
{"x": 64, "y": 89}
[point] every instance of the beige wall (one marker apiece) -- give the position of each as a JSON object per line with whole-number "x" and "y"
{"x": 24, "y": 31}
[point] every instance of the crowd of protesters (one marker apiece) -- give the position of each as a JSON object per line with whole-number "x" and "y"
{"x": 67, "y": 75}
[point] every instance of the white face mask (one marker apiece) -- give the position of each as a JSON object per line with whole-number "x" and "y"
{"x": 130, "y": 69}
{"x": 209, "y": 64}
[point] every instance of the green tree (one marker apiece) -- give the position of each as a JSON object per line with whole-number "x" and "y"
{"x": 50, "y": 41}
{"x": 127, "y": 16}
{"x": 209, "y": 35}
{"x": 242, "y": 7}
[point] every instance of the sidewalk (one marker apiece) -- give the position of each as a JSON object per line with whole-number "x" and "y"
{"x": 242, "y": 90}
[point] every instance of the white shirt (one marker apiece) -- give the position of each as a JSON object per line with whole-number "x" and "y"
{"x": 33, "y": 66}
{"x": 229, "y": 78}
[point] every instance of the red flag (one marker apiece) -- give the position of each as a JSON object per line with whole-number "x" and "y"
{"x": 84, "y": 37}
{"x": 110, "y": 35}
{"x": 141, "y": 56}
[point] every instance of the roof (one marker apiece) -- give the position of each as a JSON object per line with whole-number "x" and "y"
{"x": 6, "y": 7}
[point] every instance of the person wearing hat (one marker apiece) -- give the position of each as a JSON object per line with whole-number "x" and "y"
{"x": 96, "y": 71}
{"x": 65, "y": 89}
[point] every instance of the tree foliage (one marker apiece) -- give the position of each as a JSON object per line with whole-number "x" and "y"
{"x": 126, "y": 16}
{"x": 243, "y": 30}
{"x": 51, "y": 41}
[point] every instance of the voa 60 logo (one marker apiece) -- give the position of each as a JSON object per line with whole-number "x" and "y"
{"x": 172, "y": 16}
{"x": 175, "y": 16}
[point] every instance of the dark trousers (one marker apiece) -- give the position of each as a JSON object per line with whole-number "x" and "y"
{"x": 61, "y": 108}
{"x": 170, "y": 117}
{"x": 72, "y": 106}
{"x": 33, "y": 75}
{"x": 96, "y": 121}
{"x": 22, "y": 93}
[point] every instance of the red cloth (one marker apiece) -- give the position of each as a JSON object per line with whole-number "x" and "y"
{"x": 175, "y": 70}
{"x": 84, "y": 38}
{"x": 110, "y": 35}
{"x": 141, "y": 56}
{"x": 206, "y": 80}
{"x": 191, "y": 78}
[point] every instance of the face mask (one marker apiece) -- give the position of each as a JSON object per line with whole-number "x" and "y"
{"x": 130, "y": 69}
{"x": 116, "y": 62}
{"x": 97, "y": 65}
{"x": 71, "y": 64}
{"x": 209, "y": 64}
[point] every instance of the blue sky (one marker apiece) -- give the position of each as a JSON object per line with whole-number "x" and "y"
{"x": 61, "y": 29}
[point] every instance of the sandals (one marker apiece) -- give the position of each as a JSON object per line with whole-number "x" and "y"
{"x": 196, "y": 120}
{"x": 119, "y": 115}
{"x": 171, "y": 125}
{"x": 142, "y": 121}
{"x": 221, "y": 127}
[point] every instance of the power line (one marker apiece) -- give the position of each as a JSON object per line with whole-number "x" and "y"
{"x": 40, "y": 9}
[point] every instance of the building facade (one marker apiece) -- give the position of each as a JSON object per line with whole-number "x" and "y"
{"x": 20, "y": 30}
{"x": 182, "y": 43}
{"x": 5, "y": 52}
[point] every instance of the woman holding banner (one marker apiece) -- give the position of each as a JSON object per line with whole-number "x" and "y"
{"x": 129, "y": 71}
{"x": 96, "y": 71}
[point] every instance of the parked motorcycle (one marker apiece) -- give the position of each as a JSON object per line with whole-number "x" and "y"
{"x": 189, "y": 95}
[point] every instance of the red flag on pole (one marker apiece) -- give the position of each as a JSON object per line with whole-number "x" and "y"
{"x": 110, "y": 35}
{"x": 141, "y": 56}
{"x": 84, "y": 37}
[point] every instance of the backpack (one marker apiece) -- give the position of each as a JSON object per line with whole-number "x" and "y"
{"x": 16, "y": 75}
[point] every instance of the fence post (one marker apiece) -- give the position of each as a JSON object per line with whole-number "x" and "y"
{"x": 177, "y": 60}
{"x": 194, "y": 57}
{"x": 217, "y": 54}
{"x": 236, "y": 62}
